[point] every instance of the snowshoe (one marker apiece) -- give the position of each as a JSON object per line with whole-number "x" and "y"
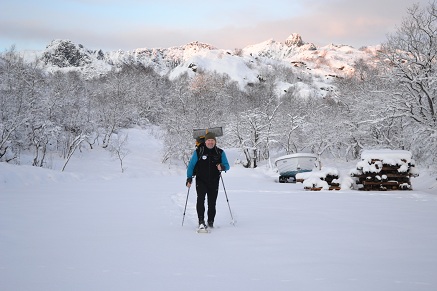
{"x": 202, "y": 228}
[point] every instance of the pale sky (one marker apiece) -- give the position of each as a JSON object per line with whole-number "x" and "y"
{"x": 227, "y": 24}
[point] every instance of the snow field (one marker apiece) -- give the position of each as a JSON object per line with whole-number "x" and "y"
{"x": 93, "y": 228}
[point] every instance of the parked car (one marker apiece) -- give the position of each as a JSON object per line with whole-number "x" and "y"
{"x": 289, "y": 165}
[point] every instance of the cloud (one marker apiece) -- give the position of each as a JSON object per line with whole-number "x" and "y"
{"x": 229, "y": 24}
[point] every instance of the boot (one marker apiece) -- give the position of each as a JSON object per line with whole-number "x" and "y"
{"x": 202, "y": 224}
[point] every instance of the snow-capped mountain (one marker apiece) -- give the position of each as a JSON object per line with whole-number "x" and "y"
{"x": 251, "y": 64}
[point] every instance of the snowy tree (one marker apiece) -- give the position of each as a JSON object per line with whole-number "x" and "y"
{"x": 21, "y": 86}
{"x": 252, "y": 130}
{"x": 202, "y": 101}
{"x": 207, "y": 96}
{"x": 118, "y": 148}
{"x": 148, "y": 91}
{"x": 367, "y": 113}
{"x": 410, "y": 59}
{"x": 114, "y": 97}
{"x": 289, "y": 123}
{"x": 68, "y": 107}
{"x": 178, "y": 121}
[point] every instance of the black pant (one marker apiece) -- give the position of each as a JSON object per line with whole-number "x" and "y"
{"x": 204, "y": 189}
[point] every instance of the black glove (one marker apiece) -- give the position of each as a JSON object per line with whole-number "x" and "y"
{"x": 189, "y": 181}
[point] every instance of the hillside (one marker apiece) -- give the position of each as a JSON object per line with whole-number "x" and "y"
{"x": 254, "y": 63}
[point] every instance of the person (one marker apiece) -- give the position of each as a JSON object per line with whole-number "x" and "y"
{"x": 207, "y": 163}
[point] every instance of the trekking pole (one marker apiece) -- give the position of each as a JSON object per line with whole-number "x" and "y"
{"x": 226, "y": 195}
{"x": 185, "y": 209}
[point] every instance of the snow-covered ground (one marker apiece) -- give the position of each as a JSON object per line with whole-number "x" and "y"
{"x": 94, "y": 228}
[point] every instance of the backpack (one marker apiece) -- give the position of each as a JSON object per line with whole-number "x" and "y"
{"x": 200, "y": 147}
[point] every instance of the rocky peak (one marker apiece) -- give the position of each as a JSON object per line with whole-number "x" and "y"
{"x": 198, "y": 45}
{"x": 64, "y": 53}
{"x": 294, "y": 40}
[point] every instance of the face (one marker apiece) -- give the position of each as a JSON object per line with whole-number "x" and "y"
{"x": 210, "y": 143}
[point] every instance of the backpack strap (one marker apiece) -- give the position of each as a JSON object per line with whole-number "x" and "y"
{"x": 199, "y": 151}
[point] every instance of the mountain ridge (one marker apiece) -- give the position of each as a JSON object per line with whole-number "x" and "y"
{"x": 251, "y": 64}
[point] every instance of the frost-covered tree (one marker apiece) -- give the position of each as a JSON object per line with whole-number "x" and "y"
{"x": 252, "y": 129}
{"x": 202, "y": 101}
{"x": 148, "y": 92}
{"x": 21, "y": 87}
{"x": 410, "y": 59}
{"x": 114, "y": 99}
{"x": 289, "y": 123}
{"x": 68, "y": 110}
{"x": 178, "y": 120}
{"x": 368, "y": 117}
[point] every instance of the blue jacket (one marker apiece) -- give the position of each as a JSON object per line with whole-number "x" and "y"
{"x": 206, "y": 163}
